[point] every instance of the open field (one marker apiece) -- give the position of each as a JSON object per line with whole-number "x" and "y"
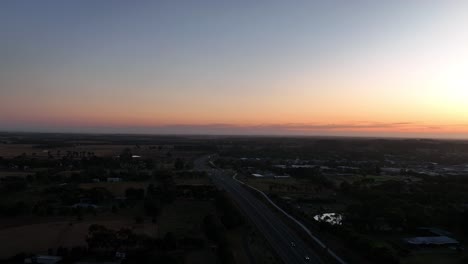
{"x": 184, "y": 217}
{"x": 282, "y": 185}
{"x": 14, "y": 150}
{"x": 238, "y": 240}
{"x": 101, "y": 150}
{"x": 376, "y": 179}
{"x": 116, "y": 188}
{"x": 202, "y": 180}
{"x": 434, "y": 256}
{"x": 37, "y": 238}
{"x": 205, "y": 256}
{"x": 260, "y": 249}
{"x": 10, "y": 173}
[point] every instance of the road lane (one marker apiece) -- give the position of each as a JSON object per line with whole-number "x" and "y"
{"x": 276, "y": 232}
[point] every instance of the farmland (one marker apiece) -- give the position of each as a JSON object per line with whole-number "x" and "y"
{"x": 61, "y": 193}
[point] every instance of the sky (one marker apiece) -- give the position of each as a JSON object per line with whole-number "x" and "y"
{"x": 332, "y": 67}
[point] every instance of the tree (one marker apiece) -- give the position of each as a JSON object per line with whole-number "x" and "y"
{"x": 135, "y": 193}
{"x": 395, "y": 218}
{"x": 345, "y": 187}
{"x": 170, "y": 241}
{"x": 139, "y": 220}
{"x": 126, "y": 155}
{"x": 152, "y": 207}
{"x": 179, "y": 164}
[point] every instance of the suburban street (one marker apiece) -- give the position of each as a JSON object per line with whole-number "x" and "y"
{"x": 288, "y": 246}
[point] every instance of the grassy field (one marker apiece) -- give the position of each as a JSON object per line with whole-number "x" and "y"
{"x": 202, "y": 180}
{"x": 37, "y": 238}
{"x": 378, "y": 179}
{"x": 14, "y": 150}
{"x": 184, "y": 217}
{"x": 116, "y": 188}
{"x": 260, "y": 249}
{"x": 205, "y": 256}
{"x": 237, "y": 241}
{"x": 286, "y": 185}
{"x": 434, "y": 256}
{"x": 23, "y": 174}
{"x": 102, "y": 150}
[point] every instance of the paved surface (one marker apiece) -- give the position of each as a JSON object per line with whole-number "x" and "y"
{"x": 277, "y": 233}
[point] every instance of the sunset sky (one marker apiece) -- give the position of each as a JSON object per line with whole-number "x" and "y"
{"x": 339, "y": 67}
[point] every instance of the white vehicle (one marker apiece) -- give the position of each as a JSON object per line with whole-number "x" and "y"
{"x": 307, "y": 258}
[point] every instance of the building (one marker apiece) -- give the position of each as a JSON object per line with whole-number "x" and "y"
{"x": 43, "y": 259}
{"x": 432, "y": 241}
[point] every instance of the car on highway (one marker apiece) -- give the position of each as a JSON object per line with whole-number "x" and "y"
{"x": 307, "y": 258}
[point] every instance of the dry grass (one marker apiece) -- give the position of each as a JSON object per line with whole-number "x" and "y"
{"x": 236, "y": 242}
{"x": 37, "y": 238}
{"x": 184, "y": 217}
{"x": 101, "y": 150}
{"x": 434, "y": 257}
{"x": 286, "y": 185}
{"x": 205, "y": 256}
{"x": 14, "y": 150}
{"x": 261, "y": 250}
{"x": 378, "y": 179}
{"x": 15, "y": 173}
{"x": 116, "y": 188}
{"x": 202, "y": 180}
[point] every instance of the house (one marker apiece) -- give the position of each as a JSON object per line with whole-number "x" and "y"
{"x": 43, "y": 259}
{"x": 434, "y": 231}
{"x": 432, "y": 241}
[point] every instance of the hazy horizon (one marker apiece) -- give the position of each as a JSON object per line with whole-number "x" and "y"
{"x": 229, "y": 131}
{"x": 319, "y": 68}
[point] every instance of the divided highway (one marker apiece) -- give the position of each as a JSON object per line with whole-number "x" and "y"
{"x": 288, "y": 246}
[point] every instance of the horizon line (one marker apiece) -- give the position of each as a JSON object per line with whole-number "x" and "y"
{"x": 182, "y": 134}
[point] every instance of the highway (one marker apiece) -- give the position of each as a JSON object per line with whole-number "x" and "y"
{"x": 276, "y": 232}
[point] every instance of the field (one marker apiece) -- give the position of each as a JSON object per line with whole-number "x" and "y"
{"x": 14, "y": 150}
{"x": 197, "y": 180}
{"x": 433, "y": 256}
{"x": 116, "y": 188}
{"x": 39, "y": 237}
{"x": 205, "y": 256}
{"x": 184, "y": 217}
{"x": 260, "y": 249}
{"x": 376, "y": 179}
{"x": 100, "y": 150}
{"x": 282, "y": 185}
{"x": 238, "y": 239}
{"x": 38, "y": 212}
{"x": 23, "y": 174}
